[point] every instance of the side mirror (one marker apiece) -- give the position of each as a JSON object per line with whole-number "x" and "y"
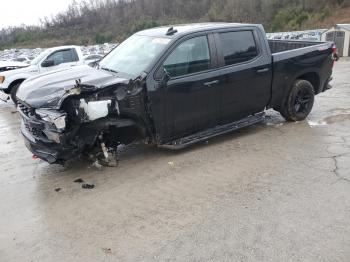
{"x": 93, "y": 64}
{"x": 165, "y": 77}
{"x": 48, "y": 63}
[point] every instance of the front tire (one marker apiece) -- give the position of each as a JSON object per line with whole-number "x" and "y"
{"x": 299, "y": 102}
{"x": 13, "y": 93}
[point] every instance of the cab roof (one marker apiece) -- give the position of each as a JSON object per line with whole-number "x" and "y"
{"x": 183, "y": 29}
{"x": 63, "y": 47}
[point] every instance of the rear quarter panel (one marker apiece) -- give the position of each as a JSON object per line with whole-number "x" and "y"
{"x": 291, "y": 65}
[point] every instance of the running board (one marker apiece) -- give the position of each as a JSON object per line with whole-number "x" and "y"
{"x": 213, "y": 132}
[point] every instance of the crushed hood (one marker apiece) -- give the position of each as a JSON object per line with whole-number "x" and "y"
{"x": 49, "y": 90}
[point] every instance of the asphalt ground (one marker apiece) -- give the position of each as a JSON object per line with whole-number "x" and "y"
{"x": 275, "y": 191}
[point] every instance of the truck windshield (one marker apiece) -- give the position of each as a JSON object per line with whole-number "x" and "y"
{"x": 37, "y": 59}
{"x": 134, "y": 55}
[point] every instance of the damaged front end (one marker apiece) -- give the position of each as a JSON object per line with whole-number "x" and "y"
{"x": 42, "y": 137}
{"x": 89, "y": 119}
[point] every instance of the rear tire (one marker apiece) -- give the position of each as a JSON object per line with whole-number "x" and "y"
{"x": 299, "y": 102}
{"x": 13, "y": 93}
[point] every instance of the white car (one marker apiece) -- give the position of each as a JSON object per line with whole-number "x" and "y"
{"x": 51, "y": 59}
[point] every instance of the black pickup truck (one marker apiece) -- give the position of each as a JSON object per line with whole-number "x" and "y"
{"x": 172, "y": 87}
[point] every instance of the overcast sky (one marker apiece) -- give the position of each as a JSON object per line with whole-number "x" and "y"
{"x": 17, "y": 12}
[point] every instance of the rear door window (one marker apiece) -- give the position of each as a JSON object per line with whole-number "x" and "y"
{"x": 191, "y": 56}
{"x": 238, "y": 47}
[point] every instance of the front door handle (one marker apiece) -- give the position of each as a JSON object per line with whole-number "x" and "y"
{"x": 215, "y": 82}
{"x": 262, "y": 71}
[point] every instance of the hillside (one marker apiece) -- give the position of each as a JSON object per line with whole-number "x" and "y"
{"x": 99, "y": 21}
{"x": 338, "y": 16}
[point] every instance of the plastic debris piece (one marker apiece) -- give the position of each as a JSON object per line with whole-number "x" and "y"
{"x": 79, "y": 180}
{"x": 88, "y": 186}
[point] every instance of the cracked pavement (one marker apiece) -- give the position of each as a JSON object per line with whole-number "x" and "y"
{"x": 276, "y": 191}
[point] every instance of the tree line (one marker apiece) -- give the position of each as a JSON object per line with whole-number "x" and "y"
{"x": 99, "y": 21}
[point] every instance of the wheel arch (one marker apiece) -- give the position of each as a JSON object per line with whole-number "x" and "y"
{"x": 13, "y": 83}
{"x": 313, "y": 78}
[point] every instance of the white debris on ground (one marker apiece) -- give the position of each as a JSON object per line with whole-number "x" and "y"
{"x": 316, "y": 123}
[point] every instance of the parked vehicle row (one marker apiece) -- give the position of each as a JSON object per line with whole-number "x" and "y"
{"x": 170, "y": 87}
{"x": 310, "y": 35}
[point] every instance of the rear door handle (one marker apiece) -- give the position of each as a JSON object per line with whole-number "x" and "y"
{"x": 264, "y": 70}
{"x": 215, "y": 82}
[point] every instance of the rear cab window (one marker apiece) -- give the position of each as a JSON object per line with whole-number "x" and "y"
{"x": 238, "y": 47}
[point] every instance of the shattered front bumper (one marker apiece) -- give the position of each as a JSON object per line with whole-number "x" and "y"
{"x": 42, "y": 150}
{"x": 49, "y": 151}
{"x": 46, "y": 144}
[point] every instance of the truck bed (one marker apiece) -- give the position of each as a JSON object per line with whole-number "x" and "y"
{"x": 291, "y": 59}
{"x": 277, "y": 46}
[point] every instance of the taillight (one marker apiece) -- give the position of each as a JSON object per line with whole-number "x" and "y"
{"x": 334, "y": 49}
{"x": 334, "y": 54}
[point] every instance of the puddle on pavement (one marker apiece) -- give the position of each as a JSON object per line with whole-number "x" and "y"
{"x": 330, "y": 120}
{"x": 337, "y": 118}
{"x": 341, "y": 110}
